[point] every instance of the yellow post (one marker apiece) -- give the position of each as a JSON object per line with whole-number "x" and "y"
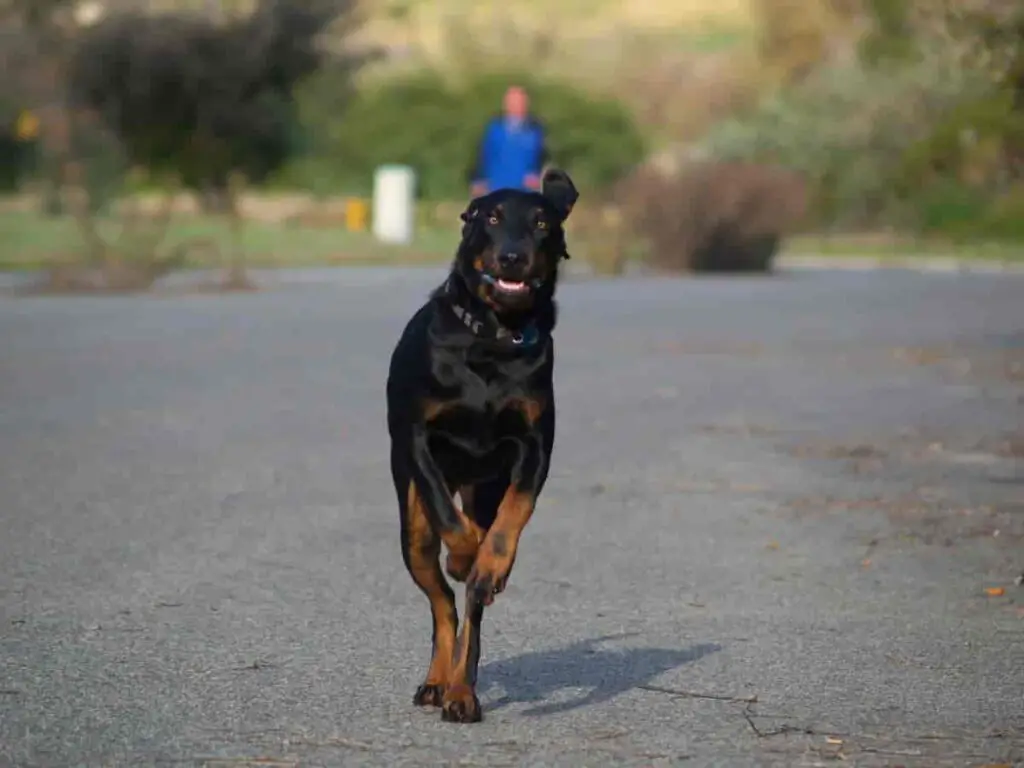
{"x": 356, "y": 214}
{"x": 27, "y": 127}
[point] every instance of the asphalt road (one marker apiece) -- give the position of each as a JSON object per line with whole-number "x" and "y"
{"x": 793, "y": 490}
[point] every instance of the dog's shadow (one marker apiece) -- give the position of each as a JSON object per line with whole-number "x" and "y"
{"x": 536, "y": 676}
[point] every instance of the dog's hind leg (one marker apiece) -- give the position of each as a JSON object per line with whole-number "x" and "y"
{"x": 421, "y": 551}
{"x": 487, "y": 577}
{"x": 459, "y": 703}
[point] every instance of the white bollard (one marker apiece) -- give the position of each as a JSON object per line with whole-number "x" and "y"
{"x": 394, "y": 204}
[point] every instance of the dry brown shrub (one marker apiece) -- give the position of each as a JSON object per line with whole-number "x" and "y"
{"x": 713, "y": 216}
{"x": 596, "y": 235}
{"x": 795, "y": 36}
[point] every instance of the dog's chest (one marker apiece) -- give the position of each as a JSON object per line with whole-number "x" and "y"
{"x": 485, "y": 386}
{"x": 483, "y": 397}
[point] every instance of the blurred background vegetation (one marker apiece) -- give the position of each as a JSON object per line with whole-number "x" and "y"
{"x": 702, "y": 132}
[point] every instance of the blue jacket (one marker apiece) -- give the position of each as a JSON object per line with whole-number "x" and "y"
{"x": 507, "y": 154}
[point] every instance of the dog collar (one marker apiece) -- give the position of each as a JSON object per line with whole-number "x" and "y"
{"x": 525, "y": 337}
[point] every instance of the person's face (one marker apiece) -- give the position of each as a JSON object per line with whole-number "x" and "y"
{"x": 516, "y": 103}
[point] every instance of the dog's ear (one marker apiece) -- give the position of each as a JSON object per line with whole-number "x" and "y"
{"x": 557, "y": 187}
{"x": 470, "y": 218}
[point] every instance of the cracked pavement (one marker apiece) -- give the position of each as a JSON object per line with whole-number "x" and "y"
{"x": 775, "y": 507}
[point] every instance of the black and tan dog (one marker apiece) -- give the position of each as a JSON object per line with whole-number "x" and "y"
{"x": 471, "y": 411}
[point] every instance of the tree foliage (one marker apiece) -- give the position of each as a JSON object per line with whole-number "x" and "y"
{"x": 199, "y": 99}
{"x": 922, "y": 129}
{"x": 434, "y": 125}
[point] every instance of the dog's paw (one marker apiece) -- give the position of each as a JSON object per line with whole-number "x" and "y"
{"x": 488, "y": 577}
{"x": 429, "y": 695}
{"x": 484, "y": 586}
{"x": 460, "y": 705}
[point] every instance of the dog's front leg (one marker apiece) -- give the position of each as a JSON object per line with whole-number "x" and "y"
{"x": 497, "y": 552}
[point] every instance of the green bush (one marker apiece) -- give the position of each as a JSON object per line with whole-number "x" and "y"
{"x": 434, "y": 125}
{"x": 1004, "y": 217}
{"x": 17, "y": 161}
{"x": 849, "y": 131}
{"x": 962, "y": 213}
{"x": 890, "y": 36}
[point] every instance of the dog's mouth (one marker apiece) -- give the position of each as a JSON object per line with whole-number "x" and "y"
{"x": 511, "y": 287}
{"x": 512, "y": 290}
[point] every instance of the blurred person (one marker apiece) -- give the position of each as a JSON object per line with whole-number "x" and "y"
{"x": 512, "y": 149}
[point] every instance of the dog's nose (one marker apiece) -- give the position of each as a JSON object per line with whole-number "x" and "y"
{"x": 509, "y": 258}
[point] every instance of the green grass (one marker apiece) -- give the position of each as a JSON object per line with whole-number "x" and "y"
{"x": 30, "y": 241}
{"x": 891, "y": 247}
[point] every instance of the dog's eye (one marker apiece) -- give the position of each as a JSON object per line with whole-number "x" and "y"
{"x": 492, "y": 219}
{"x": 542, "y": 224}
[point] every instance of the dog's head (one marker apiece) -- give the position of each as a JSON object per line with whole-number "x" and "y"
{"x": 513, "y": 241}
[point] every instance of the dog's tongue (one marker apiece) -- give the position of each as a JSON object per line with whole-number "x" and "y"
{"x": 511, "y": 286}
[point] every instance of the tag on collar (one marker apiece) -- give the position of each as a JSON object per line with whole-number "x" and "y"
{"x": 519, "y": 338}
